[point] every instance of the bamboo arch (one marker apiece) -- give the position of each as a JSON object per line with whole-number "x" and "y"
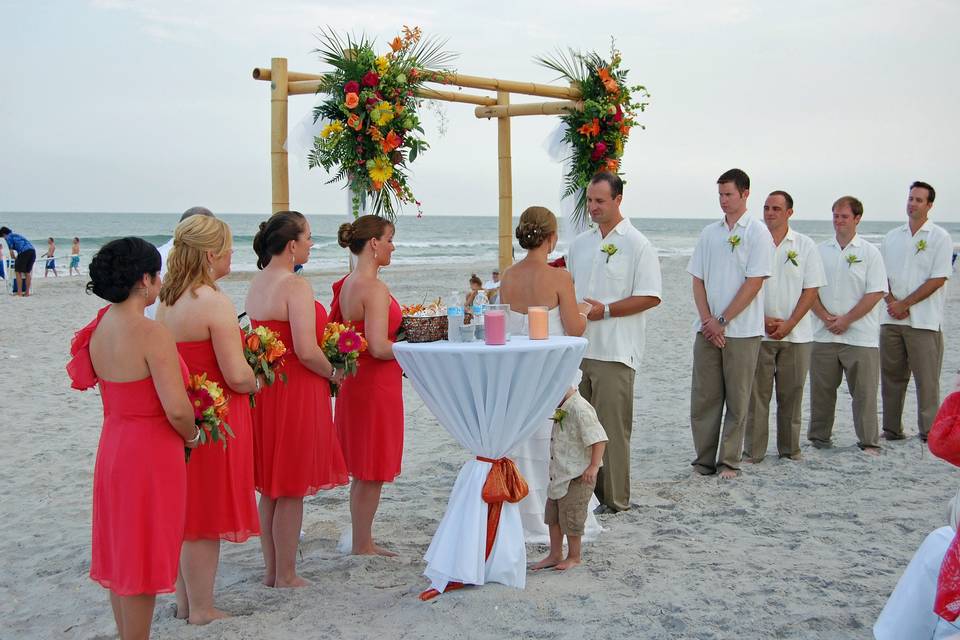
{"x": 285, "y": 83}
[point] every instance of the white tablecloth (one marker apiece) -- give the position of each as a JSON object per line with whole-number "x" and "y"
{"x": 489, "y": 398}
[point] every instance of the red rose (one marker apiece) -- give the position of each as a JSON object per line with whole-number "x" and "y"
{"x": 371, "y": 103}
{"x": 351, "y": 87}
{"x": 619, "y": 115}
{"x": 371, "y": 79}
{"x": 598, "y": 151}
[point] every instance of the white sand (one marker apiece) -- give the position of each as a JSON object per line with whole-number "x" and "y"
{"x": 789, "y": 550}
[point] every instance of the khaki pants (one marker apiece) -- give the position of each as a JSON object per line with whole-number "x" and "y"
{"x": 905, "y": 350}
{"x": 829, "y": 362}
{"x": 720, "y": 376}
{"x": 786, "y": 363}
{"x": 608, "y": 386}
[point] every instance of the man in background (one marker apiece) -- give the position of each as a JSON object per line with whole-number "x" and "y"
{"x": 25, "y": 254}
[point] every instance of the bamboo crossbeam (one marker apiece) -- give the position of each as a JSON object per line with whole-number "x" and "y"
{"x": 511, "y": 86}
{"x": 310, "y": 86}
{"x": 259, "y": 73}
{"x": 529, "y": 109}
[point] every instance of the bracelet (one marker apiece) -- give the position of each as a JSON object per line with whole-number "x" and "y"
{"x": 584, "y": 315}
{"x": 195, "y": 439}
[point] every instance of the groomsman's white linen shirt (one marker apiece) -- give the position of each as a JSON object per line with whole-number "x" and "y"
{"x": 724, "y": 268}
{"x": 164, "y": 250}
{"x": 846, "y": 284}
{"x": 782, "y": 290}
{"x": 634, "y": 270}
{"x": 908, "y": 268}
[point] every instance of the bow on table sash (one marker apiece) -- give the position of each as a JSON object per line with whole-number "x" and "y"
{"x": 504, "y": 484}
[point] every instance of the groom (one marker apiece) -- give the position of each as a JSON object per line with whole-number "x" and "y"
{"x": 616, "y": 270}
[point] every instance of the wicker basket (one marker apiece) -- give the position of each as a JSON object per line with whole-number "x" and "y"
{"x": 424, "y": 329}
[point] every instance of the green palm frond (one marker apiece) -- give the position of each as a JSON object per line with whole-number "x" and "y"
{"x": 429, "y": 53}
{"x": 568, "y": 63}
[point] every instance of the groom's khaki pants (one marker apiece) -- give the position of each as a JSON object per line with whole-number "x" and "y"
{"x": 608, "y": 386}
{"x": 905, "y": 350}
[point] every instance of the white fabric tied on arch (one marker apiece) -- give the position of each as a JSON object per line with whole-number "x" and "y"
{"x": 561, "y": 151}
{"x": 300, "y": 140}
{"x": 489, "y": 398}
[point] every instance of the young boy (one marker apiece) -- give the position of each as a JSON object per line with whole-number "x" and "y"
{"x": 576, "y": 454}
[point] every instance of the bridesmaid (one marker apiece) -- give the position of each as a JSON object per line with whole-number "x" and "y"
{"x": 296, "y": 452}
{"x": 221, "y": 504}
{"x": 369, "y": 414}
{"x": 139, "y": 481}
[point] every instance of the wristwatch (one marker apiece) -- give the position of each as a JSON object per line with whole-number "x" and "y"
{"x": 722, "y": 321}
{"x": 606, "y": 312}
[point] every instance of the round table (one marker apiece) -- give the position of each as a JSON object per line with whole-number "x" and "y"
{"x": 489, "y": 398}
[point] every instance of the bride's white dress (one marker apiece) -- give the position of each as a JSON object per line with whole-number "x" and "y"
{"x": 533, "y": 456}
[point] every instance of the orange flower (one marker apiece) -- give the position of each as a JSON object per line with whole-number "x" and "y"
{"x": 396, "y": 187}
{"x": 611, "y": 85}
{"x": 398, "y": 108}
{"x": 625, "y": 129}
{"x": 396, "y": 44}
{"x": 374, "y": 133}
{"x": 591, "y": 129}
{"x": 253, "y": 342}
{"x": 392, "y": 142}
{"x": 352, "y": 100}
{"x": 275, "y": 352}
{"x": 354, "y": 122}
{"x": 604, "y": 74}
{"x": 612, "y": 165}
{"x": 377, "y": 185}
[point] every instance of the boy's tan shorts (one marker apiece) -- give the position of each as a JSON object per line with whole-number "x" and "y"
{"x": 570, "y": 511}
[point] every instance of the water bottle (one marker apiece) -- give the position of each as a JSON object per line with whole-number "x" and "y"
{"x": 454, "y": 317}
{"x": 480, "y": 303}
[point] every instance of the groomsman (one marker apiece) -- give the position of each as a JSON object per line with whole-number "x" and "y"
{"x": 729, "y": 264}
{"x": 616, "y": 270}
{"x": 846, "y": 335}
{"x": 918, "y": 261}
{"x": 785, "y": 348}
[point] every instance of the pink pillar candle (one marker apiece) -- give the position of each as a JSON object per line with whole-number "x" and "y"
{"x": 495, "y": 327}
{"x": 537, "y": 321}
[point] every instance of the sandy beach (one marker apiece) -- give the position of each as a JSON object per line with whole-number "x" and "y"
{"x": 807, "y": 549}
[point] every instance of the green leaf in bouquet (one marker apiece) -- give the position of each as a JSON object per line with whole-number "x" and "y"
{"x": 283, "y": 378}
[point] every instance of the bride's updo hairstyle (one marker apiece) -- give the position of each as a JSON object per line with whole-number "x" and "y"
{"x": 536, "y": 225}
{"x": 275, "y": 233}
{"x": 355, "y": 235}
{"x": 119, "y": 265}
{"x": 187, "y": 267}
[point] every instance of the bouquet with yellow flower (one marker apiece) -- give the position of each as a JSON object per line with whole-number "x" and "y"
{"x": 599, "y": 132}
{"x": 209, "y": 410}
{"x": 264, "y": 350}
{"x": 372, "y": 114}
{"x": 342, "y": 344}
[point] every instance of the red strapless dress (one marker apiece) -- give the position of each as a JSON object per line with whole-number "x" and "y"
{"x": 296, "y": 451}
{"x": 139, "y": 482}
{"x": 221, "y": 503}
{"x": 369, "y": 415}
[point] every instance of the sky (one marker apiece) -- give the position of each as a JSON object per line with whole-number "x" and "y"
{"x": 150, "y": 106}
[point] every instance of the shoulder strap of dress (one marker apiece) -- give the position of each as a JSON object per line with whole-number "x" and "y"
{"x": 80, "y": 367}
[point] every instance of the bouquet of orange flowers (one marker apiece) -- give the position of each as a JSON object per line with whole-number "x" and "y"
{"x": 209, "y": 410}
{"x": 264, "y": 352}
{"x": 342, "y": 344}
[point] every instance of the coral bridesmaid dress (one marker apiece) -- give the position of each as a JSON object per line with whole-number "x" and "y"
{"x": 369, "y": 416}
{"x": 296, "y": 451}
{"x": 220, "y": 499}
{"x": 139, "y": 482}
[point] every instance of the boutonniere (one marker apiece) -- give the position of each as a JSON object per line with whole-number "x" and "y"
{"x": 921, "y": 246}
{"x": 608, "y": 249}
{"x": 792, "y": 258}
{"x": 852, "y": 260}
{"x": 558, "y": 417}
{"x": 734, "y": 242}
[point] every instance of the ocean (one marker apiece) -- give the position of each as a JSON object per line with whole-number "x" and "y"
{"x": 433, "y": 239}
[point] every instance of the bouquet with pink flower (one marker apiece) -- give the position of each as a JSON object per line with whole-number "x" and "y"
{"x": 210, "y": 407}
{"x": 342, "y": 344}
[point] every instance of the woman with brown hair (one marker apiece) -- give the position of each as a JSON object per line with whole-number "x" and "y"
{"x": 221, "y": 504}
{"x": 369, "y": 414}
{"x": 296, "y": 452}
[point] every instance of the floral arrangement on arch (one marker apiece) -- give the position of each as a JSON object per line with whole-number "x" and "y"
{"x": 373, "y": 130}
{"x": 599, "y": 133}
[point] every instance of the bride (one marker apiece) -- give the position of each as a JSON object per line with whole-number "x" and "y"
{"x": 531, "y": 282}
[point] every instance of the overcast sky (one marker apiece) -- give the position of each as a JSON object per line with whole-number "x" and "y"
{"x": 149, "y": 105}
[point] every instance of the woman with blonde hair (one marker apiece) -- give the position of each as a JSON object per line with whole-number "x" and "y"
{"x": 296, "y": 452}
{"x": 369, "y": 415}
{"x": 221, "y": 504}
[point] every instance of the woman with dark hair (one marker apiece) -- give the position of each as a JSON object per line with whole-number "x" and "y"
{"x": 369, "y": 415}
{"x": 139, "y": 481}
{"x": 221, "y": 504}
{"x": 296, "y": 452}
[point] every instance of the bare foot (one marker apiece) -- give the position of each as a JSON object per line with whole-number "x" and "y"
{"x": 728, "y": 474}
{"x": 181, "y": 612}
{"x": 206, "y": 617}
{"x": 269, "y": 581}
{"x": 569, "y": 563}
{"x": 546, "y": 563}
{"x": 748, "y": 460}
{"x": 871, "y": 451}
{"x": 373, "y": 550}
{"x": 296, "y": 583}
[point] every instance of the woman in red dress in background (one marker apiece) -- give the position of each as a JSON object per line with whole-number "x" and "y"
{"x": 369, "y": 412}
{"x": 296, "y": 452}
{"x": 139, "y": 481}
{"x": 221, "y": 504}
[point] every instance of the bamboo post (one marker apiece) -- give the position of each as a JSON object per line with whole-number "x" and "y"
{"x": 506, "y": 184}
{"x": 280, "y": 177}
